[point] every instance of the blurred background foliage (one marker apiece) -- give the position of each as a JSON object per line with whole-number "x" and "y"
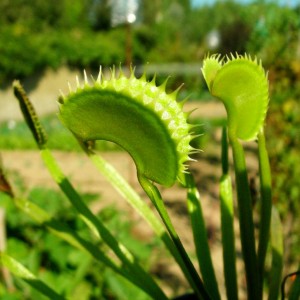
{"x": 68, "y": 270}
{"x": 37, "y": 35}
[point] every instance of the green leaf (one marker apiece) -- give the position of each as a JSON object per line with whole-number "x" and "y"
{"x": 227, "y": 223}
{"x": 20, "y": 271}
{"x": 201, "y": 239}
{"x": 277, "y": 245}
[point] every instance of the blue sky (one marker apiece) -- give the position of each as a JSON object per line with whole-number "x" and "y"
{"x": 282, "y": 2}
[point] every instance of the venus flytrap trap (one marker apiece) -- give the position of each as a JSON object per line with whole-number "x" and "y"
{"x": 241, "y": 84}
{"x": 138, "y": 116}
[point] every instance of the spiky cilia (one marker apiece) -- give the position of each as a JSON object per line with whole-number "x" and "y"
{"x": 135, "y": 114}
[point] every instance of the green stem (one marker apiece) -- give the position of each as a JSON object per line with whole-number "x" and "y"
{"x": 150, "y": 286}
{"x": 245, "y": 218}
{"x": 277, "y": 254}
{"x": 200, "y": 238}
{"x": 266, "y": 205}
{"x": 126, "y": 191}
{"x": 224, "y": 152}
{"x": 121, "y": 185}
{"x": 192, "y": 276}
{"x": 227, "y": 224}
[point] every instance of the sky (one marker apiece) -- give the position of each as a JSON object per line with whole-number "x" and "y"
{"x": 282, "y": 2}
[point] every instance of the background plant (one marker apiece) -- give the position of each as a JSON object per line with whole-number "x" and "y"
{"x": 66, "y": 268}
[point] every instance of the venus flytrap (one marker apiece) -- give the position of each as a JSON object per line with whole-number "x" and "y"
{"x": 150, "y": 125}
{"x": 241, "y": 84}
{"x": 168, "y": 128}
{"x": 156, "y": 135}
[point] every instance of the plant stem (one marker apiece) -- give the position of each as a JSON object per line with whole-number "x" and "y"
{"x": 227, "y": 228}
{"x": 277, "y": 255}
{"x": 200, "y": 238}
{"x": 266, "y": 205}
{"x": 126, "y": 191}
{"x": 120, "y": 250}
{"x": 224, "y": 151}
{"x": 245, "y": 218}
{"x": 121, "y": 185}
{"x": 192, "y": 276}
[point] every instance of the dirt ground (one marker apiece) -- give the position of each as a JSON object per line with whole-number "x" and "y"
{"x": 207, "y": 171}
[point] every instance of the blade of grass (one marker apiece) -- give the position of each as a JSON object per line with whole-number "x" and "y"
{"x": 122, "y": 186}
{"x": 193, "y": 277}
{"x": 266, "y": 205}
{"x": 20, "y": 271}
{"x": 277, "y": 255}
{"x": 200, "y": 238}
{"x": 66, "y": 233}
{"x": 245, "y": 218}
{"x": 119, "y": 249}
{"x": 61, "y": 230}
{"x": 227, "y": 224}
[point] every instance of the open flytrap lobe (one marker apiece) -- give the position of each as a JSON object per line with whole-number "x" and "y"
{"x": 138, "y": 116}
